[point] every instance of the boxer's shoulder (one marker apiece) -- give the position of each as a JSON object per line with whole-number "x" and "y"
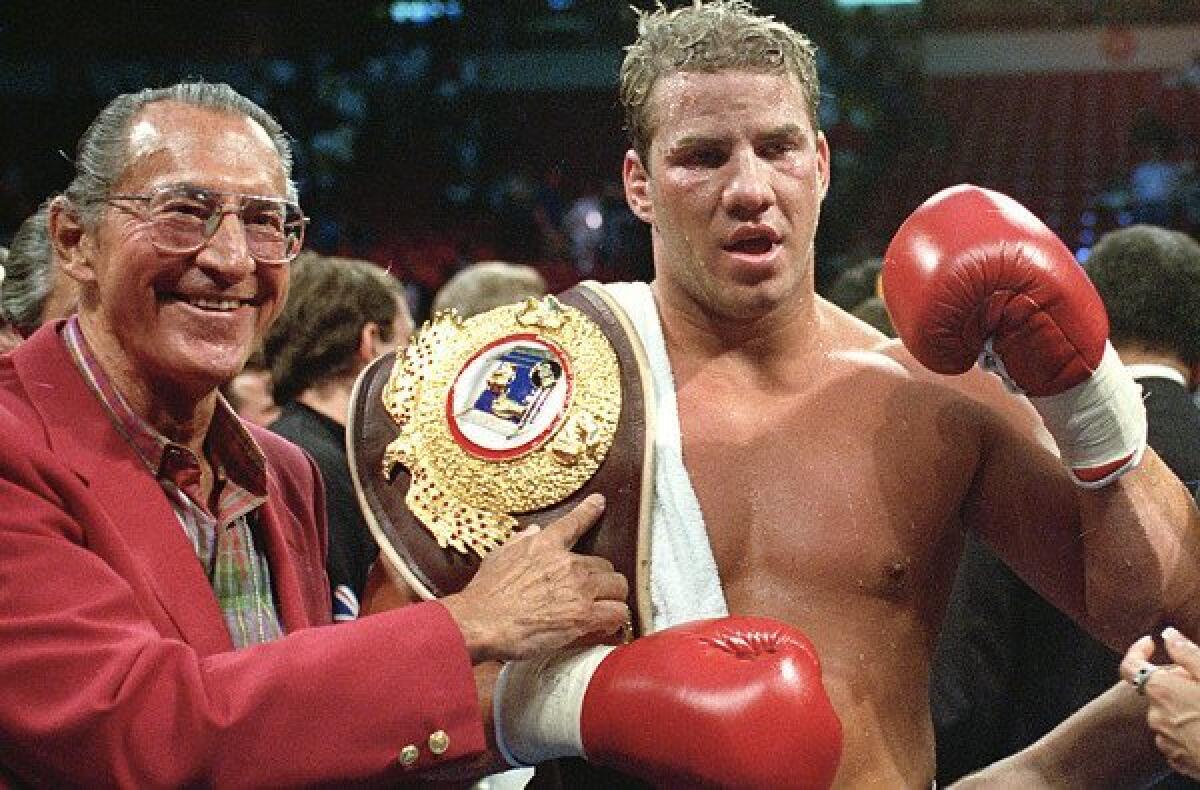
{"x": 886, "y": 362}
{"x": 890, "y": 356}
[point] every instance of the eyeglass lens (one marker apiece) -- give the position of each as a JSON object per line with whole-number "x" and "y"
{"x": 185, "y": 219}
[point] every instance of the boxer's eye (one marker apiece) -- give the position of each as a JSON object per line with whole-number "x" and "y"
{"x": 701, "y": 157}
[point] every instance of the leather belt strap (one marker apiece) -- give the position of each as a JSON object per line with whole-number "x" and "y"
{"x": 625, "y": 475}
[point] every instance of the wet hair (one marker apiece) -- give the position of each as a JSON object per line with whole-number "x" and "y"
{"x": 329, "y": 302}
{"x": 103, "y": 151}
{"x": 1149, "y": 280}
{"x": 708, "y": 37}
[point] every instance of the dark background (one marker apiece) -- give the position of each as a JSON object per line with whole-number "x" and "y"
{"x": 424, "y": 147}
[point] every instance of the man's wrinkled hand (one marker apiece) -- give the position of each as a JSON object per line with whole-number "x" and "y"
{"x": 534, "y": 595}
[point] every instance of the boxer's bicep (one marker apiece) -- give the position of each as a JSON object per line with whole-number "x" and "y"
{"x": 1120, "y": 560}
{"x": 1025, "y": 507}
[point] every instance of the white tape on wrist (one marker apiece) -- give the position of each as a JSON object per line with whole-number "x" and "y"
{"x": 1099, "y": 421}
{"x": 537, "y": 705}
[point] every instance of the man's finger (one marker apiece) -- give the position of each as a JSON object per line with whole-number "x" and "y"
{"x": 611, "y": 587}
{"x": 527, "y": 532}
{"x": 593, "y": 564}
{"x": 1182, "y": 651}
{"x": 1136, "y": 658}
{"x": 610, "y": 616}
{"x": 570, "y": 528}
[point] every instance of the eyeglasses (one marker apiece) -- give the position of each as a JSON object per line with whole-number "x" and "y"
{"x": 183, "y": 219}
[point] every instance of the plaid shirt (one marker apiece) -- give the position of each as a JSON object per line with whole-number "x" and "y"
{"x": 224, "y": 541}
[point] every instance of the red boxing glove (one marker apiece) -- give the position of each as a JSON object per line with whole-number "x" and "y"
{"x": 972, "y": 274}
{"x": 729, "y": 702}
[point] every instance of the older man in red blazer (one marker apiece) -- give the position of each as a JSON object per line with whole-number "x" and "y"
{"x": 162, "y": 562}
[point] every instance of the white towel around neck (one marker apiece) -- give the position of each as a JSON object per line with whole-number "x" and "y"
{"x": 684, "y": 584}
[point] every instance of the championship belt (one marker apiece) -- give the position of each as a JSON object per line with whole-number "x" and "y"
{"x": 484, "y": 426}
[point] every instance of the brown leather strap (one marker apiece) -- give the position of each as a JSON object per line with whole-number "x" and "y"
{"x": 625, "y": 477}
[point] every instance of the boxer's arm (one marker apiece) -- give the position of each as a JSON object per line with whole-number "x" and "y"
{"x": 1122, "y": 560}
{"x": 1108, "y": 534}
{"x": 727, "y": 702}
{"x": 1104, "y": 744}
{"x": 1141, "y": 539}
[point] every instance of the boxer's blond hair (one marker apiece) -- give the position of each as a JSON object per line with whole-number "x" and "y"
{"x": 708, "y": 36}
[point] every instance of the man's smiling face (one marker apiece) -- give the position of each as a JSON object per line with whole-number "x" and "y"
{"x": 182, "y": 323}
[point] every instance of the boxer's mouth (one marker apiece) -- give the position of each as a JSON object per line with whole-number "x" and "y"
{"x": 752, "y": 241}
{"x": 756, "y": 246}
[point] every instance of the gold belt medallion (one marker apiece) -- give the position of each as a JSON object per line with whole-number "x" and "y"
{"x": 509, "y": 411}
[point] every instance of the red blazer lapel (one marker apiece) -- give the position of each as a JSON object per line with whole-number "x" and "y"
{"x": 294, "y": 533}
{"x": 82, "y": 434}
{"x": 278, "y": 529}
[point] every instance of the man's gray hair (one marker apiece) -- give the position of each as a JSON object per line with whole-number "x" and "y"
{"x": 103, "y": 151}
{"x": 29, "y": 273}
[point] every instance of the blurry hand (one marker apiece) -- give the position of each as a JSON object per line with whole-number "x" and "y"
{"x": 1174, "y": 696}
{"x": 533, "y": 595}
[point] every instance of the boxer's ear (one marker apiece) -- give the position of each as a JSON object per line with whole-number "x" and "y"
{"x": 637, "y": 187}
{"x": 823, "y": 163}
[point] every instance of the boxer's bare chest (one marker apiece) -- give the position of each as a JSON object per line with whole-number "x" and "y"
{"x": 833, "y": 504}
{"x": 835, "y": 486}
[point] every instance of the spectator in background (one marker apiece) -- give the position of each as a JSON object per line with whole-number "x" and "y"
{"x": 249, "y": 393}
{"x": 481, "y": 286}
{"x": 1188, "y": 77}
{"x": 341, "y": 314}
{"x": 856, "y": 290}
{"x": 583, "y": 224}
{"x": 855, "y": 284}
{"x": 873, "y": 311}
{"x": 625, "y": 247}
{"x": 1156, "y": 180}
{"x": 519, "y": 224}
{"x": 1155, "y": 185}
{"x": 35, "y": 289}
{"x": 1009, "y": 666}
{"x": 9, "y": 339}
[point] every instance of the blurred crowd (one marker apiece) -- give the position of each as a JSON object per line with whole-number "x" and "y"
{"x": 407, "y": 156}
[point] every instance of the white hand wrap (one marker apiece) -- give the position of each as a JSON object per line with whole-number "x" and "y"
{"x": 537, "y": 705}
{"x": 1098, "y": 422}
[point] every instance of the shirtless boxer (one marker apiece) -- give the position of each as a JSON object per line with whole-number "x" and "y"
{"x": 832, "y": 475}
{"x": 835, "y": 474}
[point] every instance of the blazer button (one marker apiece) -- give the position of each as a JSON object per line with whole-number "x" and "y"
{"x": 409, "y": 755}
{"x": 439, "y": 742}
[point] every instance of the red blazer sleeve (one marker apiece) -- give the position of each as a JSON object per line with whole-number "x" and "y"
{"x": 94, "y": 692}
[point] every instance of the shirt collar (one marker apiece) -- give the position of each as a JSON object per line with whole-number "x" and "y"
{"x": 235, "y": 454}
{"x": 1144, "y": 370}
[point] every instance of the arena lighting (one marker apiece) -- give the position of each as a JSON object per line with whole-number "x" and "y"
{"x": 422, "y": 13}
